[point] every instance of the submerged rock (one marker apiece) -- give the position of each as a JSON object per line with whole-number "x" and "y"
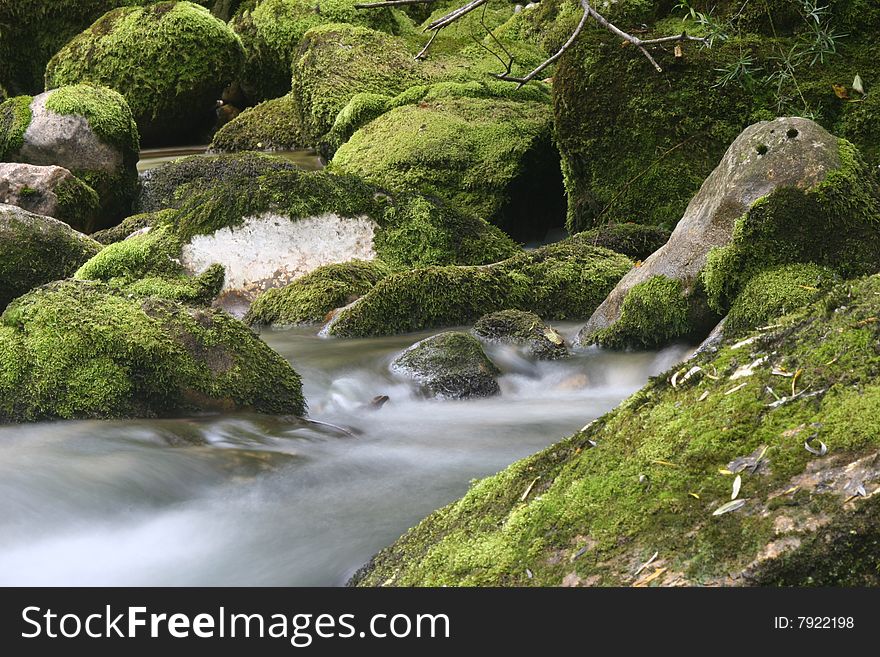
{"x": 522, "y": 328}
{"x": 170, "y": 60}
{"x": 652, "y": 480}
{"x": 561, "y": 281}
{"x": 449, "y": 366}
{"x": 784, "y": 192}
{"x": 35, "y": 250}
{"x": 87, "y": 130}
{"x": 50, "y": 191}
{"x": 310, "y": 299}
{"x": 124, "y": 356}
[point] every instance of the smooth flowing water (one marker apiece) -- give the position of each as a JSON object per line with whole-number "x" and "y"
{"x": 154, "y": 157}
{"x": 251, "y": 500}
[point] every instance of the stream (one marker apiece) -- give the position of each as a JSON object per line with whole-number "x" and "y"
{"x": 255, "y": 500}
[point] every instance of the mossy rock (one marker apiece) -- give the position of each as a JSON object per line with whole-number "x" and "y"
{"x": 308, "y": 300}
{"x": 170, "y": 60}
{"x": 231, "y": 207}
{"x": 274, "y": 125}
{"x": 52, "y": 192}
{"x": 87, "y": 130}
{"x": 777, "y": 291}
{"x": 272, "y": 30}
{"x": 35, "y": 250}
{"x": 336, "y": 62}
{"x": 490, "y": 157}
{"x": 644, "y": 479}
{"x": 636, "y": 241}
{"x": 636, "y": 144}
{"x": 561, "y": 281}
{"x": 124, "y": 356}
{"x": 128, "y": 227}
{"x": 524, "y": 329}
{"x": 34, "y": 30}
{"x": 449, "y": 365}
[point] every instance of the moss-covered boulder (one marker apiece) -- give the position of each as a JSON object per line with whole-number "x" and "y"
{"x": 777, "y": 291}
{"x": 636, "y": 241}
{"x": 124, "y": 356}
{"x": 129, "y": 226}
{"x": 52, "y": 192}
{"x": 34, "y": 30}
{"x": 272, "y": 30}
{"x": 87, "y": 130}
{"x": 523, "y": 329}
{"x": 170, "y": 60}
{"x": 561, "y": 281}
{"x": 274, "y": 125}
{"x": 35, "y": 250}
{"x": 794, "y": 165}
{"x": 335, "y": 62}
{"x": 268, "y": 223}
{"x": 652, "y": 481}
{"x": 310, "y": 299}
{"x": 636, "y": 144}
{"x": 449, "y": 366}
{"x": 491, "y": 157}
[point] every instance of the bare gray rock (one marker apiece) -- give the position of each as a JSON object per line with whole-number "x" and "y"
{"x": 51, "y": 191}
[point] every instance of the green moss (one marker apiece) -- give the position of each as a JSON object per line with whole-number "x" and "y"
{"x": 833, "y": 224}
{"x": 36, "y": 250}
{"x": 308, "y": 300}
{"x": 15, "y": 117}
{"x": 129, "y": 226}
{"x": 562, "y": 281}
{"x": 274, "y": 125}
{"x": 106, "y": 111}
{"x": 645, "y": 477}
{"x": 272, "y": 32}
{"x": 336, "y": 62}
{"x": 635, "y": 241}
{"x": 129, "y": 357}
{"x": 522, "y": 328}
{"x": 777, "y": 291}
{"x": 360, "y": 110}
{"x": 79, "y": 206}
{"x": 170, "y": 60}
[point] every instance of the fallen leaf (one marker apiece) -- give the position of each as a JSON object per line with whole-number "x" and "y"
{"x": 529, "y": 489}
{"x": 737, "y": 484}
{"x": 694, "y": 495}
{"x": 822, "y": 451}
{"x": 724, "y": 471}
{"x": 679, "y": 53}
{"x": 840, "y": 91}
{"x": 662, "y": 462}
{"x": 704, "y": 396}
{"x": 857, "y": 84}
{"x": 733, "y": 505}
{"x": 650, "y": 578}
{"x": 733, "y": 390}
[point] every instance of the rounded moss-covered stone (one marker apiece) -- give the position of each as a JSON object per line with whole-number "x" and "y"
{"x": 171, "y": 61}
{"x": 274, "y": 125}
{"x": 272, "y": 30}
{"x": 492, "y": 158}
{"x": 676, "y": 438}
{"x": 449, "y": 366}
{"x": 308, "y": 300}
{"x": 561, "y": 281}
{"x": 525, "y": 329}
{"x": 128, "y": 227}
{"x": 87, "y": 130}
{"x": 635, "y": 241}
{"x": 34, "y": 30}
{"x": 35, "y": 250}
{"x": 52, "y": 192}
{"x": 777, "y": 291}
{"x": 336, "y": 62}
{"x": 123, "y": 356}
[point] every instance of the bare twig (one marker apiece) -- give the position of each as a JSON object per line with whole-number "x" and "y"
{"x": 391, "y": 3}
{"x": 424, "y": 51}
{"x": 453, "y": 16}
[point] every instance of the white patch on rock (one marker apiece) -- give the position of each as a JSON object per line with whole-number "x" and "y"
{"x": 271, "y": 250}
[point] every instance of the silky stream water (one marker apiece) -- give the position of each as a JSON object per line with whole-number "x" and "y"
{"x": 251, "y": 500}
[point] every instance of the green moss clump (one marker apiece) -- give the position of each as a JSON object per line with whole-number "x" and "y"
{"x": 835, "y": 224}
{"x": 449, "y": 365}
{"x": 635, "y": 241}
{"x": 15, "y": 117}
{"x": 654, "y": 313}
{"x": 308, "y": 300}
{"x": 273, "y": 29}
{"x": 360, "y": 110}
{"x": 561, "y": 281}
{"x": 487, "y": 157}
{"x": 79, "y": 206}
{"x": 777, "y": 291}
{"x": 129, "y": 226}
{"x": 171, "y": 61}
{"x": 130, "y": 357}
{"x": 336, "y": 62}
{"x": 645, "y": 477}
{"x": 274, "y": 125}
{"x": 522, "y": 328}
{"x": 106, "y": 111}
{"x": 36, "y": 250}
